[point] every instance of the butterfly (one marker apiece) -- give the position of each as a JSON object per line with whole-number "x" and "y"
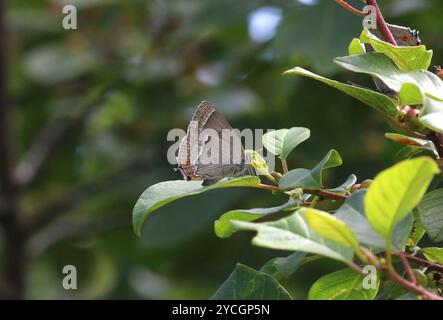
{"x": 211, "y": 150}
{"x": 405, "y": 37}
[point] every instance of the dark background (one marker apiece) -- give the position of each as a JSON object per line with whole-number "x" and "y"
{"x": 88, "y": 111}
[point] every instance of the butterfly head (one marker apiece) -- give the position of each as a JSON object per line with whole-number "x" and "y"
{"x": 405, "y": 36}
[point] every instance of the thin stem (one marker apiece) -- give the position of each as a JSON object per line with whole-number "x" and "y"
{"x": 277, "y": 176}
{"x": 388, "y": 253}
{"x": 350, "y": 8}
{"x": 381, "y": 23}
{"x": 373, "y": 259}
{"x": 320, "y": 193}
{"x": 425, "y": 263}
{"x": 326, "y": 194}
{"x": 355, "y": 267}
{"x": 266, "y": 187}
{"x": 271, "y": 178}
{"x": 417, "y": 289}
{"x": 413, "y": 287}
{"x": 408, "y": 268}
{"x": 284, "y": 165}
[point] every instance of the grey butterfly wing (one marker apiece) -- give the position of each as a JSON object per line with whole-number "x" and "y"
{"x": 212, "y": 154}
{"x": 222, "y": 153}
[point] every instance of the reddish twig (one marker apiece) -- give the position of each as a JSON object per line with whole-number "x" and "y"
{"x": 320, "y": 193}
{"x": 350, "y": 8}
{"x": 284, "y": 166}
{"x": 266, "y": 187}
{"x": 425, "y": 263}
{"x": 326, "y": 194}
{"x": 355, "y": 267}
{"x": 415, "y": 288}
{"x": 408, "y": 268}
{"x": 381, "y": 23}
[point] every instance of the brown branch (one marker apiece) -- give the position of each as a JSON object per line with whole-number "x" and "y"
{"x": 415, "y": 288}
{"x": 267, "y": 187}
{"x": 381, "y": 23}
{"x": 408, "y": 268}
{"x": 321, "y": 193}
{"x": 425, "y": 263}
{"x": 326, "y": 194}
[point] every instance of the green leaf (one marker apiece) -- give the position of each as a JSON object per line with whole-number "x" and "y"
{"x": 396, "y": 191}
{"x": 283, "y": 267}
{"x": 282, "y": 142}
{"x": 418, "y": 231}
{"x": 356, "y": 47}
{"x": 410, "y": 94}
{"x": 378, "y": 101}
{"x": 352, "y": 212}
{"x": 294, "y": 234}
{"x": 331, "y": 228}
{"x": 431, "y": 115}
{"x": 407, "y": 58}
{"x": 422, "y": 86}
{"x": 245, "y": 283}
{"x": 433, "y": 254}
{"x": 163, "y": 193}
{"x": 413, "y": 142}
{"x": 431, "y": 214}
{"x": 310, "y": 179}
{"x": 346, "y": 186}
{"x": 224, "y": 228}
{"x": 380, "y": 66}
{"x": 344, "y": 284}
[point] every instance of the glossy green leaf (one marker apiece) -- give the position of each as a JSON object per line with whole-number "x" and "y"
{"x": 378, "y": 101}
{"x": 419, "y": 85}
{"x": 283, "y": 267}
{"x": 345, "y": 186}
{"x": 418, "y": 230}
{"x": 356, "y": 47}
{"x": 410, "y": 94}
{"x": 430, "y": 210}
{"x": 432, "y": 113}
{"x": 344, "y": 284}
{"x": 331, "y": 228}
{"x": 294, "y": 234}
{"x": 310, "y": 179}
{"x": 396, "y": 191}
{"x": 223, "y": 226}
{"x": 433, "y": 254}
{"x": 163, "y": 193}
{"x": 413, "y": 142}
{"x": 352, "y": 212}
{"x": 407, "y": 58}
{"x": 282, "y": 142}
{"x": 380, "y": 66}
{"x": 245, "y": 283}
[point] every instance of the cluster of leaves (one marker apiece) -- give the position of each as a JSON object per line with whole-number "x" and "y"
{"x": 370, "y": 223}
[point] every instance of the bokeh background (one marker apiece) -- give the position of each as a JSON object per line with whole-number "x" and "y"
{"x": 89, "y": 111}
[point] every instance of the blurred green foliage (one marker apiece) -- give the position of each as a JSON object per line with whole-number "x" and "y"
{"x": 136, "y": 69}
